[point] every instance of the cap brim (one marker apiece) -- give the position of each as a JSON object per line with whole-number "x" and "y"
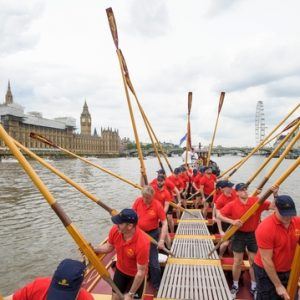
{"x": 117, "y": 219}
{"x": 58, "y": 294}
{"x": 288, "y": 212}
{"x": 229, "y": 185}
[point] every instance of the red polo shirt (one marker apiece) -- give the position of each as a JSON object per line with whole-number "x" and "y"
{"x": 223, "y": 199}
{"x": 170, "y": 186}
{"x": 196, "y": 180}
{"x": 235, "y": 209}
{"x": 37, "y": 290}
{"x": 216, "y": 195}
{"x": 149, "y": 215}
{"x": 177, "y": 181}
{"x": 185, "y": 178}
{"x": 271, "y": 234}
{"x": 132, "y": 252}
{"x": 162, "y": 196}
{"x": 208, "y": 183}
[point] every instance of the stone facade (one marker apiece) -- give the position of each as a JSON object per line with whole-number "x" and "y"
{"x": 60, "y": 130}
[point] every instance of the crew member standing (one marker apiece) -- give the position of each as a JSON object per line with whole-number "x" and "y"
{"x": 277, "y": 237}
{"x": 245, "y": 236}
{"x": 132, "y": 247}
{"x": 150, "y": 213}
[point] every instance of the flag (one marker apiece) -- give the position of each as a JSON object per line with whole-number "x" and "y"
{"x": 182, "y": 139}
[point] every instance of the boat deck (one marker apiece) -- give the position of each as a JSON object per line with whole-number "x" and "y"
{"x": 190, "y": 274}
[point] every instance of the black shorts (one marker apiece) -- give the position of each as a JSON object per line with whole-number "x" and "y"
{"x": 170, "y": 210}
{"x": 225, "y": 226}
{"x": 241, "y": 240}
{"x": 124, "y": 282}
{"x": 265, "y": 287}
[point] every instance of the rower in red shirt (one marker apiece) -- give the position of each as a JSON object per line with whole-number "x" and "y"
{"x": 244, "y": 237}
{"x": 162, "y": 194}
{"x": 196, "y": 178}
{"x": 225, "y": 195}
{"x": 132, "y": 246}
{"x": 277, "y": 237}
{"x": 64, "y": 285}
{"x": 150, "y": 213}
{"x": 176, "y": 179}
{"x": 207, "y": 186}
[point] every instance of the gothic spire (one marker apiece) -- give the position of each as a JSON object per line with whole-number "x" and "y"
{"x": 8, "y": 96}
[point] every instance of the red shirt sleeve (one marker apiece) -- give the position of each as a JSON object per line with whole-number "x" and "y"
{"x": 142, "y": 257}
{"x": 161, "y": 213}
{"x": 170, "y": 185}
{"x": 112, "y": 234}
{"x": 168, "y": 196}
{"x": 264, "y": 237}
{"x": 24, "y": 293}
{"x": 226, "y": 210}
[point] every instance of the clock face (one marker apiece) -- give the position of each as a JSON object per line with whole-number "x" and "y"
{"x": 83, "y": 119}
{"x": 89, "y": 121}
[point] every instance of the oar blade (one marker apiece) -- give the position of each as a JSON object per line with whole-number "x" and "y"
{"x": 292, "y": 124}
{"x": 113, "y": 26}
{"x": 222, "y": 96}
{"x": 41, "y": 138}
{"x": 190, "y": 99}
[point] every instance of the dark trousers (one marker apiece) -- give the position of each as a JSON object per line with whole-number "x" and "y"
{"x": 154, "y": 267}
{"x": 265, "y": 288}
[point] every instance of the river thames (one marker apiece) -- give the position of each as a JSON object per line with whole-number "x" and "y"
{"x": 33, "y": 240}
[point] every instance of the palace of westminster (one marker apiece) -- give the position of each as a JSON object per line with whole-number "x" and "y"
{"x": 59, "y": 130}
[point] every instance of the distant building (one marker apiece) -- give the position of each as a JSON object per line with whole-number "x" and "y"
{"x": 60, "y": 130}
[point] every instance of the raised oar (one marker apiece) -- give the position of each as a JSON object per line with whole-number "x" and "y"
{"x": 262, "y": 142}
{"x": 70, "y": 227}
{"x": 152, "y": 134}
{"x": 222, "y": 96}
{"x": 125, "y": 74}
{"x": 188, "y": 138}
{"x": 274, "y": 152}
{"x": 295, "y": 273}
{"x": 233, "y": 228}
{"x": 50, "y": 143}
{"x": 110, "y": 210}
{"x": 277, "y": 163}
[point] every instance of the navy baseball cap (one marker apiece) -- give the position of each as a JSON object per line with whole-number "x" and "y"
{"x": 161, "y": 171}
{"x": 176, "y": 171}
{"x": 127, "y": 215}
{"x": 195, "y": 171}
{"x": 160, "y": 178}
{"x": 207, "y": 168}
{"x": 228, "y": 184}
{"x": 285, "y": 206}
{"x": 240, "y": 186}
{"x": 67, "y": 280}
{"x": 220, "y": 184}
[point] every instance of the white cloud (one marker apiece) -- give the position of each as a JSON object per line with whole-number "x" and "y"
{"x": 59, "y": 53}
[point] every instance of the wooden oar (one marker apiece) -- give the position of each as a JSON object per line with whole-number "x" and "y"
{"x": 152, "y": 135}
{"x": 50, "y": 143}
{"x": 188, "y": 137}
{"x": 125, "y": 75}
{"x": 233, "y": 228}
{"x": 222, "y": 96}
{"x": 295, "y": 273}
{"x": 70, "y": 227}
{"x": 110, "y": 210}
{"x": 274, "y": 152}
{"x": 239, "y": 164}
{"x": 277, "y": 163}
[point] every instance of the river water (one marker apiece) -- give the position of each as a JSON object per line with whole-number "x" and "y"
{"x": 33, "y": 240}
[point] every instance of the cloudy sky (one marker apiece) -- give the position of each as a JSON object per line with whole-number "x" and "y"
{"x": 58, "y": 53}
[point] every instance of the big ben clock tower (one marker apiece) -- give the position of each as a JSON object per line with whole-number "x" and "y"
{"x": 85, "y": 120}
